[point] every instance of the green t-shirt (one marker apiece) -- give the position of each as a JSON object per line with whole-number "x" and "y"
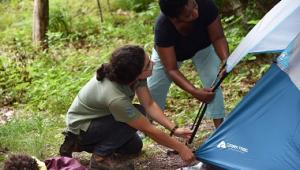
{"x": 101, "y": 98}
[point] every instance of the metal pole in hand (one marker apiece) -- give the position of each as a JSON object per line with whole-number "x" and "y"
{"x": 217, "y": 82}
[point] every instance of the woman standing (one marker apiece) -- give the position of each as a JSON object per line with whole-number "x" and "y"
{"x": 188, "y": 29}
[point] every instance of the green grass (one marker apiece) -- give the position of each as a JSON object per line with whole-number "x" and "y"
{"x": 42, "y": 84}
{"x": 37, "y": 134}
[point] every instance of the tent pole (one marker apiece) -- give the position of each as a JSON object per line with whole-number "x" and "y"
{"x": 198, "y": 122}
{"x": 201, "y": 106}
{"x": 217, "y": 82}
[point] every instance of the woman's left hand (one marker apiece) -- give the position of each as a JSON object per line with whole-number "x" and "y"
{"x": 183, "y": 132}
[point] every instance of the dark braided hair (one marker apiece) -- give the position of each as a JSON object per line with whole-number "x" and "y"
{"x": 172, "y": 8}
{"x": 20, "y": 162}
{"x": 125, "y": 64}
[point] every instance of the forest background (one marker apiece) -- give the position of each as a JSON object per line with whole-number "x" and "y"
{"x": 37, "y": 85}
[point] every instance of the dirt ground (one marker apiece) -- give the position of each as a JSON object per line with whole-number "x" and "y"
{"x": 159, "y": 161}
{"x": 6, "y": 114}
{"x": 162, "y": 159}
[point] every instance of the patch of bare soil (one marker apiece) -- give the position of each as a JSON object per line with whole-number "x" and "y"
{"x": 163, "y": 159}
{"x": 160, "y": 160}
{"x": 6, "y": 114}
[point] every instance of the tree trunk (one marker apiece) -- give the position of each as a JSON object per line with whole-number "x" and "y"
{"x": 40, "y": 23}
{"x": 109, "y": 7}
{"x": 100, "y": 10}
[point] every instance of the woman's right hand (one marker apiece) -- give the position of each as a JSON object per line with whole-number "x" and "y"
{"x": 205, "y": 95}
{"x": 186, "y": 154}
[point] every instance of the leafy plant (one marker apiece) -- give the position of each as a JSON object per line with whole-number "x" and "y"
{"x": 136, "y": 5}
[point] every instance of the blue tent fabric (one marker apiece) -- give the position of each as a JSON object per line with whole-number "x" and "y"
{"x": 263, "y": 131}
{"x": 289, "y": 60}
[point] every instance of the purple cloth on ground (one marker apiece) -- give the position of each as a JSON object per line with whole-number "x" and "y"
{"x": 63, "y": 163}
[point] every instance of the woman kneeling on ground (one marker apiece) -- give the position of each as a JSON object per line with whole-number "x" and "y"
{"x": 102, "y": 119}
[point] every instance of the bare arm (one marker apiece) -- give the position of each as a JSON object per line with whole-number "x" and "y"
{"x": 168, "y": 58}
{"x": 157, "y": 114}
{"x": 160, "y": 137}
{"x": 218, "y": 39}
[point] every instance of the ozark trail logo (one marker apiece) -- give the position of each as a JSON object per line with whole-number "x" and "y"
{"x": 226, "y": 145}
{"x": 222, "y": 145}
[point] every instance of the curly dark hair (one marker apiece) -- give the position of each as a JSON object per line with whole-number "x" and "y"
{"x": 20, "y": 162}
{"x": 125, "y": 64}
{"x": 172, "y": 8}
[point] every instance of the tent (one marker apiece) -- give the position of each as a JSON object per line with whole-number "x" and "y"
{"x": 263, "y": 131}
